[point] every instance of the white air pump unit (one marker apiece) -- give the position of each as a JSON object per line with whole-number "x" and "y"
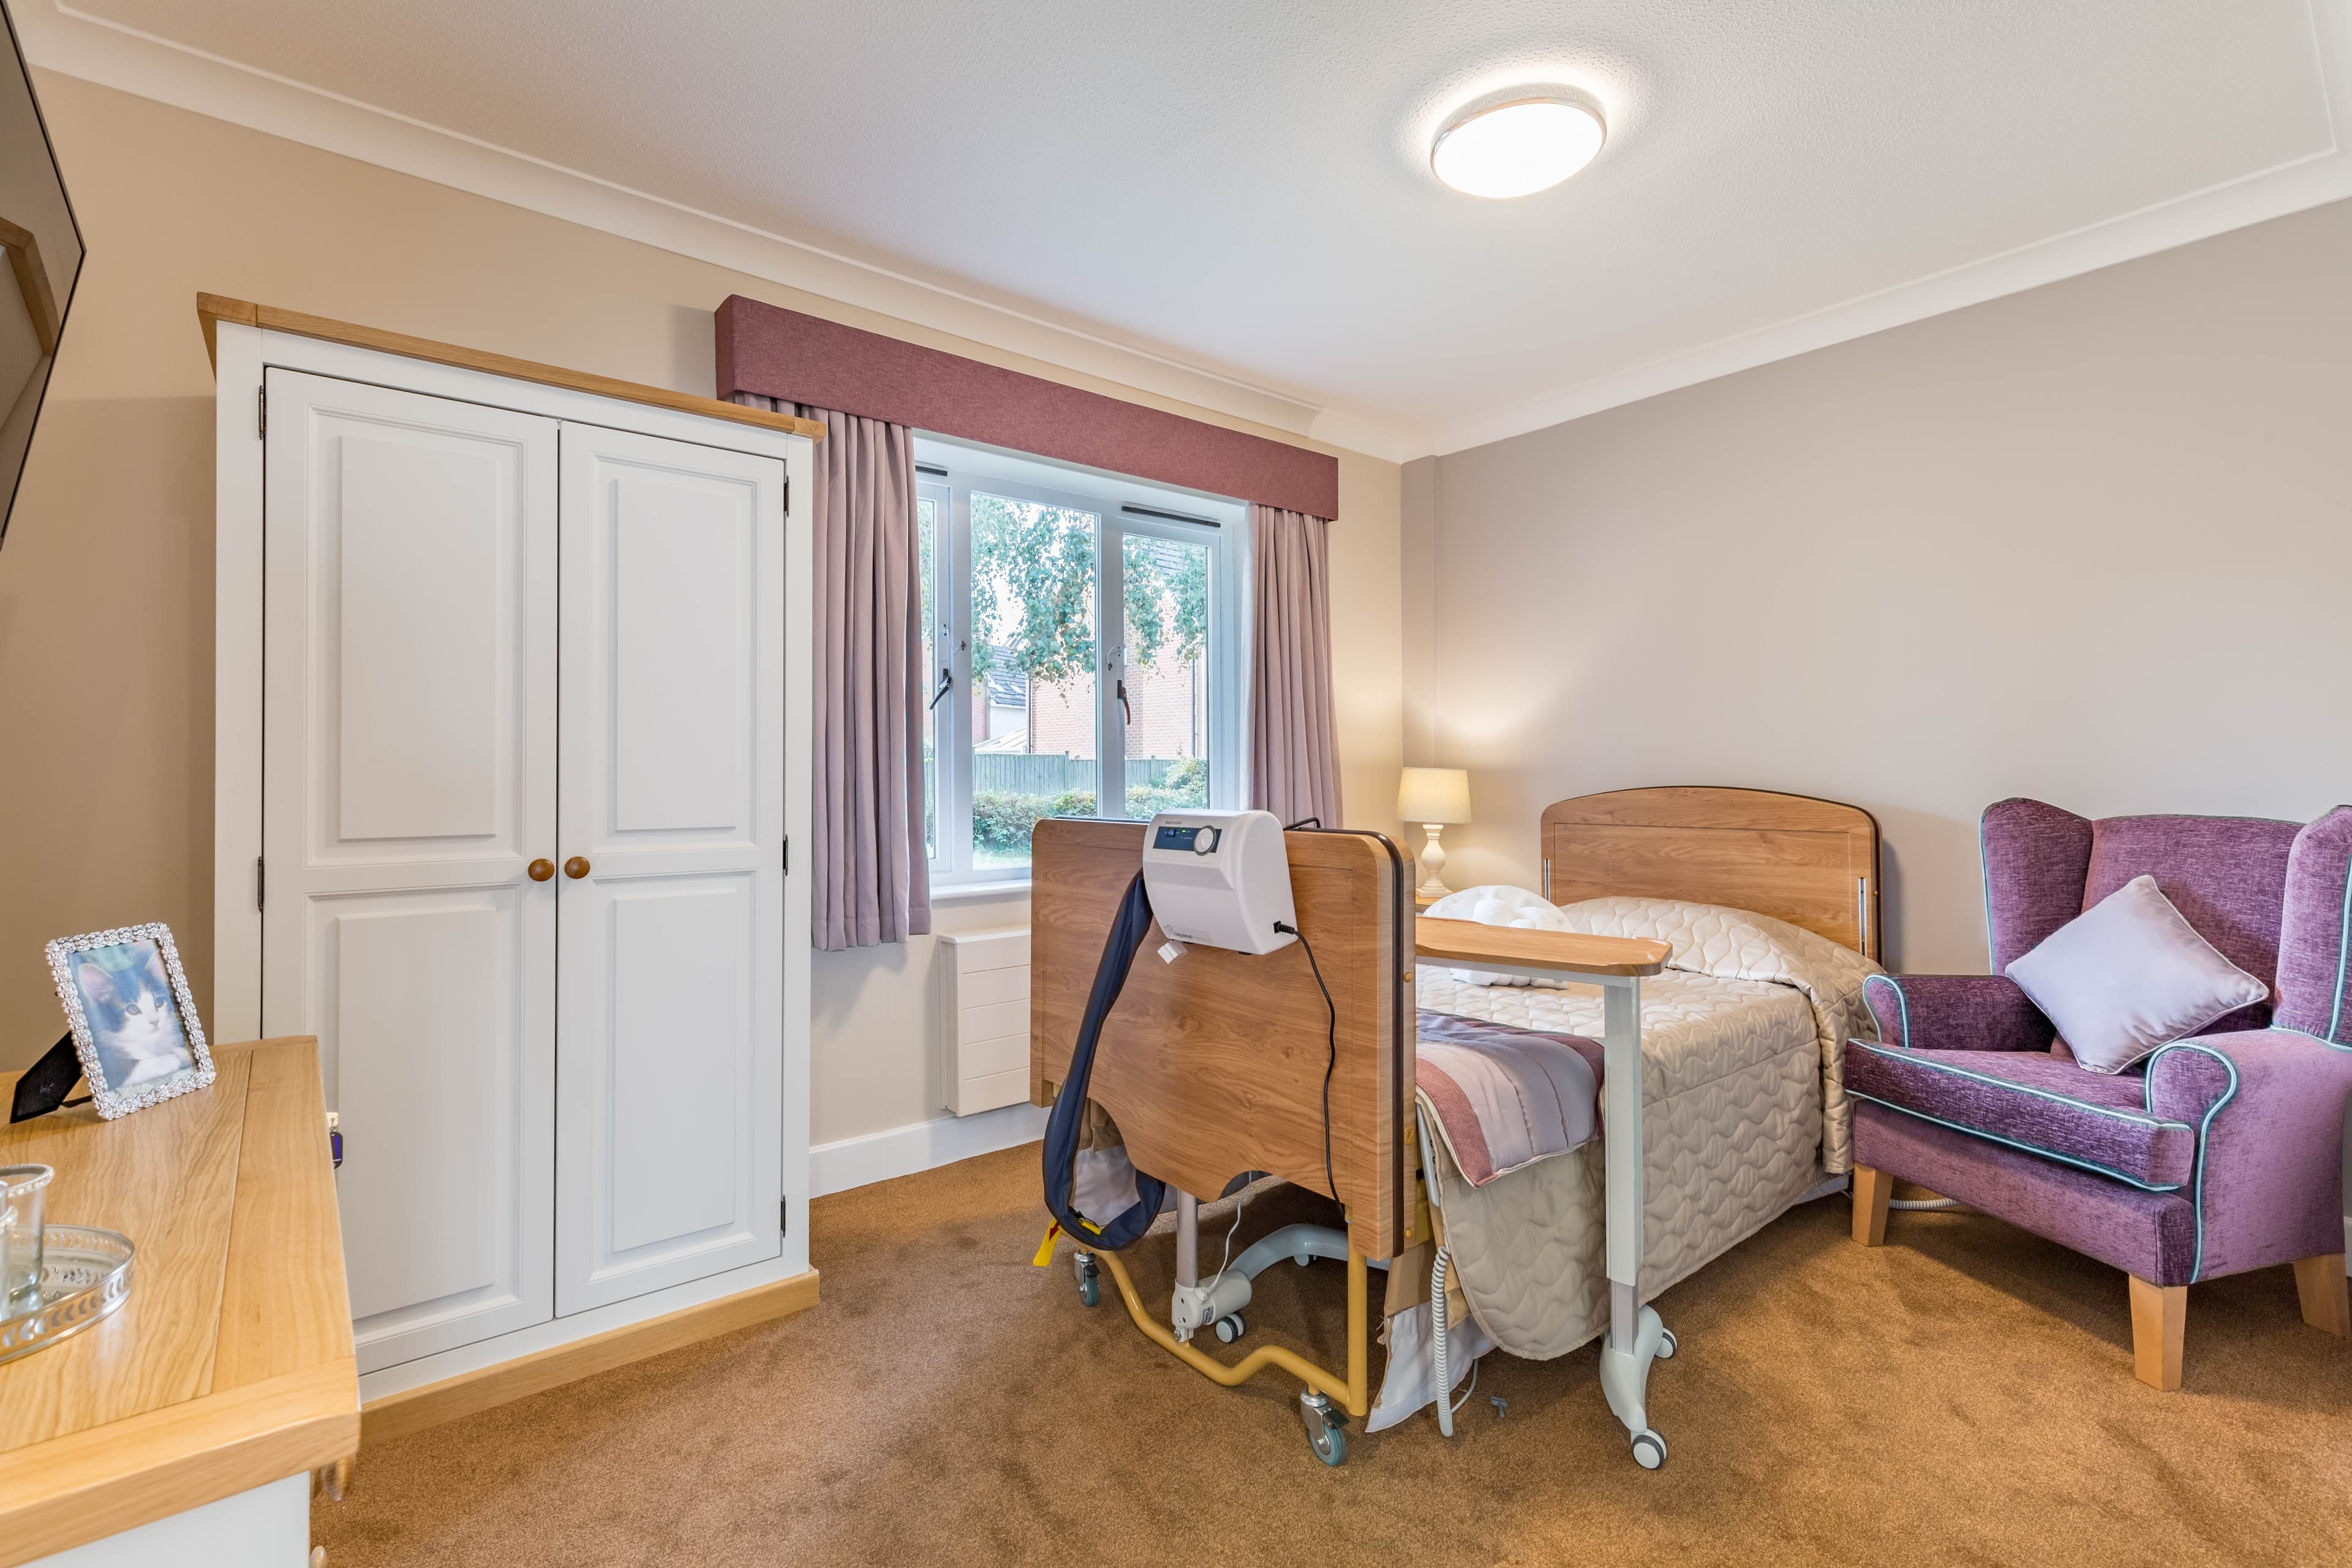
{"x": 1220, "y": 879}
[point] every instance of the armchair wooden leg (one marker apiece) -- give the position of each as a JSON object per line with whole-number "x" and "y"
{"x": 2159, "y": 1313}
{"x": 1872, "y": 1189}
{"x": 2327, "y": 1303}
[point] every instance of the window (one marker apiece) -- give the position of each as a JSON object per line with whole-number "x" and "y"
{"x": 1083, "y": 649}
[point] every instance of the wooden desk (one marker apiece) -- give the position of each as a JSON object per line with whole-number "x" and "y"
{"x": 230, "y": 1368}
{"x": 1617, "y": 964}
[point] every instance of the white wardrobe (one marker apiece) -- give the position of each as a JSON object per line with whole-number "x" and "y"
{"x": 532, "y": 714}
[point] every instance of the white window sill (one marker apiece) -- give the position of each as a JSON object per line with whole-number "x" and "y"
{"x": 965, "y": 892}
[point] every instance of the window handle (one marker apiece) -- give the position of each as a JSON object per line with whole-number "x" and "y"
{"x": 1123, "y": 707}
{"x": 947, "y": 679}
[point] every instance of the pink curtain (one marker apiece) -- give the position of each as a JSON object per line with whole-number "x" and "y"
{"x": 1294, "y": 750}
{"x": 871, "y": 884}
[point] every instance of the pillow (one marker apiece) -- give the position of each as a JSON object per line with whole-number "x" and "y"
{"x": 1497, "y": 905}
{"x": 2129, "y": 975}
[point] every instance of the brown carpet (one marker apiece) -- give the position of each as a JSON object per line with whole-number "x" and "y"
{"x": 1962, "y": 1395}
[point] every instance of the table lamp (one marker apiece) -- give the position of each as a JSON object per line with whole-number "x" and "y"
{"x": 1433, "y": 797}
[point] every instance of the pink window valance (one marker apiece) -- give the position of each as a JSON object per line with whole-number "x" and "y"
{"x": 775, "y": 352}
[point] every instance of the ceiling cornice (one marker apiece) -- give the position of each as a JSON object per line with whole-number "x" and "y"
{"x": 2291, "y": 187}
{"x": 58, "y": 38}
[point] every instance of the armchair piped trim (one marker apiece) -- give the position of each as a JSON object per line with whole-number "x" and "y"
{"x": 2033, "y": 1149}
{"x": 2145, "y": 1123}
{"x": 1902, "y": 1005}
{"x": 2335, "y": 1036}
{"x": 2315, "y": 961}
{"x": 2204, "y": 1128}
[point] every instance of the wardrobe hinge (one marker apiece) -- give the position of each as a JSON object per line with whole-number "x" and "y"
{"x": 783, "y": 1217}
{"x": 788, "y": 854}
{"x": 261, "y": 431}
{"x": 258, "y": 887}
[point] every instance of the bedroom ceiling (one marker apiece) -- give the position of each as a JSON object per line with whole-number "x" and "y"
{"x": 1245, "y": 188}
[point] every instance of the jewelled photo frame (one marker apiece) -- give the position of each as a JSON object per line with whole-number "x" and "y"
{"x": 135, "y": 1023}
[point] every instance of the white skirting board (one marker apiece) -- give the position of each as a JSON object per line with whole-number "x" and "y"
{"x": 920, "y": 1146}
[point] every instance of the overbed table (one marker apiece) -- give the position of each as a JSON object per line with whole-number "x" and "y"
{"x": 1618, "y": 966}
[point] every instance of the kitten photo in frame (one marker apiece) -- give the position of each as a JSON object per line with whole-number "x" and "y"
{"x": 134, "y": 1024}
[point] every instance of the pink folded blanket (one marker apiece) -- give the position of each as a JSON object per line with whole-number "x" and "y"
{"x": 1506, "y": 1098}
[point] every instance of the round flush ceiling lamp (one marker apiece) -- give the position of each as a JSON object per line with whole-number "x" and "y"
{"x": 1517, "y": 148}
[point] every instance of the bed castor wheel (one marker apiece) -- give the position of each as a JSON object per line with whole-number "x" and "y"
{"x": 1666, "y": 1345}
{"x": 1089, "y": 1278}
{"x": 1230, "y": 1328}
{"x": 1326, "y": 1429}
{"x": 1649, "y": 1449}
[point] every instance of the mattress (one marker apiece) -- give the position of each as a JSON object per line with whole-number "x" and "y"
{"x": 1743, "y": 1108}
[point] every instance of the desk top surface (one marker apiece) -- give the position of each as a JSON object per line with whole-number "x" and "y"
{"x": 231, "y": 1364}
{"x": 1472, "y": 945}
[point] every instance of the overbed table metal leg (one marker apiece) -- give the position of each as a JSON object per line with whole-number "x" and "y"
{"x": 1636, "y": 1337}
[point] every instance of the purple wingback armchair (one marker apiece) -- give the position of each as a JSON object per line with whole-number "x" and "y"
{"x": 2214, "y": 1156}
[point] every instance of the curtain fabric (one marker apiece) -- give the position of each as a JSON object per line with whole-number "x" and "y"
{"x": 1294, "y": 751}
{"x": 872, "y": 885}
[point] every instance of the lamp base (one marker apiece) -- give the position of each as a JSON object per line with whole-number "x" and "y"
{"x": 1433, "y": 864}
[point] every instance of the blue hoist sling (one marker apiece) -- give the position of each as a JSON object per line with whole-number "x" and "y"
{"x": 1065, "y": 1127}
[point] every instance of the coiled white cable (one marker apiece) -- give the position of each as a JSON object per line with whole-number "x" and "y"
{"x": 1437, "y": 1338}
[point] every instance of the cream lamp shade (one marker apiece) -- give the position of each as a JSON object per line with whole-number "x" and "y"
{"x": 1433, "y": 795}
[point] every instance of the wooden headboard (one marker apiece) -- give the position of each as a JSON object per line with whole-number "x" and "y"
{"x": 1813, "y": 863}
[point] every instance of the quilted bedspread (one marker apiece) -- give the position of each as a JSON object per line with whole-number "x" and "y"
{"x": 1743, "y": 1108}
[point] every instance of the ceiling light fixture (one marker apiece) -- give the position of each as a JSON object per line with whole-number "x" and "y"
{"x": 1517, "y": 148}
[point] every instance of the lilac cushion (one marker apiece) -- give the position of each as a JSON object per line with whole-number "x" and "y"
{"x": 2315, "y": 959}
{"x": 2226, "y": 875}
{"x": 2130, "y": 975}
{"x": 2032, "y": 1101}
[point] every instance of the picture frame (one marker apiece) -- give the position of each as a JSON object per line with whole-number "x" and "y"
{"x": 133, "y": 1021}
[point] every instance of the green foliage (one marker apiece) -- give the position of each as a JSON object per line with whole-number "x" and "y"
{"x": 1032, "y": 570}
{"x": 1184, "y": 785}
{"x": 1001, "y": 824}
{"x": 1002, "y": 821}
{"x": 1165, "y": 607}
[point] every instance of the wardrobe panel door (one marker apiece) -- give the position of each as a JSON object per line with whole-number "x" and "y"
{"x": 408, "y": 780}
{"x": 671, "y": 998}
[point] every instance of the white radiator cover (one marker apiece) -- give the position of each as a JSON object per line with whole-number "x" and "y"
{"x": 983, "y": 1030}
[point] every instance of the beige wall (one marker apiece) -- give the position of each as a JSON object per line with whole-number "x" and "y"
{"x": 105, "y": 579}
{"x": 2091, "y": 543}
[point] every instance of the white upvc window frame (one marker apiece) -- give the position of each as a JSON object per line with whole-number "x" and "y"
{"x": 1103, "y": 496}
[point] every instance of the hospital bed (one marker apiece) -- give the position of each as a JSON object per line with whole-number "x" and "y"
{"x": 1769, "y": 902}
{"x": 1216, "y": 1067}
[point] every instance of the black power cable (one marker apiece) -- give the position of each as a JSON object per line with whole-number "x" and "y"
{"x": 1331, "y": 1062}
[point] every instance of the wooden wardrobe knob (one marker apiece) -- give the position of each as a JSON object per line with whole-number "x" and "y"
{"x": 540, "y": 870}
{"x": 576, "y": 867}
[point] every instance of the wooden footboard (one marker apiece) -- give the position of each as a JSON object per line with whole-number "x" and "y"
{"x": 1214, "y": 1065}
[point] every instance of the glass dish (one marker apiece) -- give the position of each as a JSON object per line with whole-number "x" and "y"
{"x": 23, "y": 1193}
{"x": 85, "y": 1275}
